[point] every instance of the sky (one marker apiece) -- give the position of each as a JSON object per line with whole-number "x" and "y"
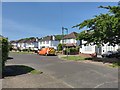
{"x": 39, "y": 19}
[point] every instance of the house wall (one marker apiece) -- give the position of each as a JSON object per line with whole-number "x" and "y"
{"x": 89, "y": 49}
{"x": 44, "y": 44}
{"x": 69, "y": 41}
{"x": 14, "y": 45}
{"x": 29, "y": 45}
{"x": 35, "y": 44}
{"x": 53, "y": 44}
{"x": 106, "y": 48}
{"x": 21, "y": 45}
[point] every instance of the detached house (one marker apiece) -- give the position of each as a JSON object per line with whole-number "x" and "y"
{"x": 14, "y": 44}
{"x": 48, "y": 41}
{"x": 32, "y": 44}
{"x": 21, "y": 44}
{"x": 70, "y": 40}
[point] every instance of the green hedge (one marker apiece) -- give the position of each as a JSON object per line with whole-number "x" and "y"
{"x": 4, "y": 49}
{"x": 71, "y": 50}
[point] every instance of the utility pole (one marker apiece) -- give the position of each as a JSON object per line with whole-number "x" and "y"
{"x": 63, "y": 40}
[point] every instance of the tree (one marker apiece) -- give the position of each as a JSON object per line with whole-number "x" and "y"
{"x": 103, "y": 28}
{"x": 58, "y": 37}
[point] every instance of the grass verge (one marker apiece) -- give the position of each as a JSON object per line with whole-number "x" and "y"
{"x": 76, "y": 58}
{"x": 23, "y": 52}
{"x": 115, "y": 65}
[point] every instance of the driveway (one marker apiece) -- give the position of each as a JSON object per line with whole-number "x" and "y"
{"x": 68, "y": 73}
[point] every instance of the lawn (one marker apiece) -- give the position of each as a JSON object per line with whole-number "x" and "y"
{"x": 76, "y": 58}
{"x": 25, "y": 52}
{"x": 81, "y": 58}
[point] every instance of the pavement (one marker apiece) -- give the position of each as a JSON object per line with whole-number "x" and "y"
{"x": 59, "y": 73}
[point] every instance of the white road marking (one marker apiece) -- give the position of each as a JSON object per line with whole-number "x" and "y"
{"x": 104, "y": 83}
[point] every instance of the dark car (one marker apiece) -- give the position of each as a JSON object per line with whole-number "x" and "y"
{"x": 116, "y": 54}
{"x": 108, "y": 54}
{"x": 111, "y": 54}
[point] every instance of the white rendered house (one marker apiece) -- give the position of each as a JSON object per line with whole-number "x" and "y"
{"x": 48, "y": 41}
{"x": 70, "y": 40}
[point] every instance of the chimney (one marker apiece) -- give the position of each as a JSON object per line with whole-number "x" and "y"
{"x": 53, "y": 37}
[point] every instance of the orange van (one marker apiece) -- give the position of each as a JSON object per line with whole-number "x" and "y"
{"x": 46, "y": 51}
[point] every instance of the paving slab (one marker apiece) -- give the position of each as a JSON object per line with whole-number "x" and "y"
{"x": 33, "y": 81}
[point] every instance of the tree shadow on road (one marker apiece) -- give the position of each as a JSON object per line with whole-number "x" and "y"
{"x": 14, "y": 70}
{"x": 9, "y": 58}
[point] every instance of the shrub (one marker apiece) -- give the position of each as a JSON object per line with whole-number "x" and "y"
{"x": 10, "y": 47}
{"x": 25, "y": 49}
{"x": 4, "y": 49}
{"x": 71, "y": 51}
{"x": 59, "y": 47}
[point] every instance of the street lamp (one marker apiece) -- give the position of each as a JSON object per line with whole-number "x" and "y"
{"x": 63, "y": 39}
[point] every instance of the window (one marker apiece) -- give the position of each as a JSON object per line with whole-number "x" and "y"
{"x": 88, "y": 48}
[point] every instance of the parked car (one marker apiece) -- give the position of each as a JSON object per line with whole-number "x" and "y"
{"x": 46, "y": 51}
{"x": 108, "y": 54}
{"x": 111, "y": 54}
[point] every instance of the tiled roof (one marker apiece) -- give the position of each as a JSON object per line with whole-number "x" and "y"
{"x": 31, "y": 40}
{"x": 70, "y": 45}
{"x": 47, "y": 38}
{"x": 13, "y": 41}
{"x": 72, "y": 35}
{"x": 21, "y": 41}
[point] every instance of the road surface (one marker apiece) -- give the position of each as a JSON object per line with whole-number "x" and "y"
{"x": 70, "y": 73}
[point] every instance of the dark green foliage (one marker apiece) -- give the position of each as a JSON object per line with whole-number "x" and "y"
{"x": 71, "y": 51}
{"x": 59, "y": 47}
{"x": 10, "y": 47}
{"x": 4, "y": 49}
{"x": 58, "y": 37}
{"x": 103, "y": 28}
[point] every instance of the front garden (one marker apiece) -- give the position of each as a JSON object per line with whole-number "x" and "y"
{"x": 112, "y": 62}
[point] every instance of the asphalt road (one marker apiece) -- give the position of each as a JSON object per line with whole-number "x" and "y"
{"x": 73, "y": 74}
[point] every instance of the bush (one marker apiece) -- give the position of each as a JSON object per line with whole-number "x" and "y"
{"x": 59, "y": 47}
{"x": 71, "y": 51}
{"x": 10, "y": 47}
{"x": 25, "y": 50}
{"x": 4, "y": 49}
